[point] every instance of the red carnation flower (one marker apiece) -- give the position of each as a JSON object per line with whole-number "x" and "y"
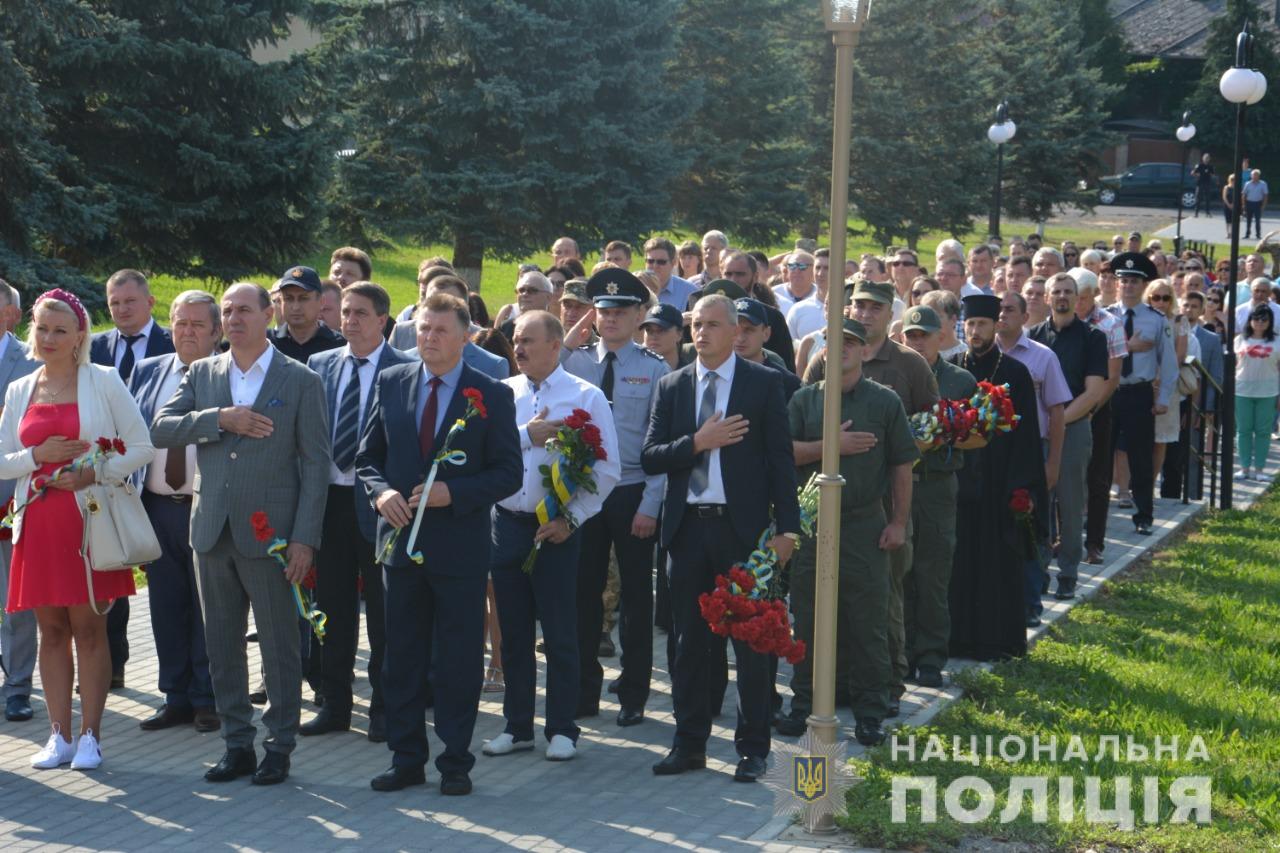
{"x": 574, "y": 422}
{"x": 118, "y": 445}
{"x": 104, "y": 444}
{"x": 1021, "y": 502}
{"x": 309, "y": 582}
{"x": 600, "y": 453}
{"x": 582, "y": 414}
{"x": 591, "y": 435}
{"x": 262, "y": 530}
{"x": 476, "y": 398}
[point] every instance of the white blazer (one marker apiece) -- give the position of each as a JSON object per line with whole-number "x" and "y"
{"x": 106, "y": 409}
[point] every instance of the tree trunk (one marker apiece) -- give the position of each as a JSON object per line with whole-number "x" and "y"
{"x": 468, "y": 259}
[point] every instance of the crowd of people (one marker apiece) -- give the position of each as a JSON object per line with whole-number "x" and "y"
{"x": 402, "y": 461}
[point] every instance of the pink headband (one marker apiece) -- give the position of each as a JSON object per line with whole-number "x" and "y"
{"x": 70, "y": 299}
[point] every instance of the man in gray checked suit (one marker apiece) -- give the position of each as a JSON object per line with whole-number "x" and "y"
{"x": 246, "y": 411}
{"x": 17, "y": 630}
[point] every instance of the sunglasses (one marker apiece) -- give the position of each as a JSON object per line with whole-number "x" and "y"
{"x": 660, "y": 262}
{"x": 796, "y": 266}
{"x": 903, "y": 264}
{"x": 1161, "y": 297}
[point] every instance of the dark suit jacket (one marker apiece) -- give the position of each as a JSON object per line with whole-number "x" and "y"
{"x": 102, "y": 348}
{"x": 148, "y": 377}
{"x": 758, "y": 472}
{"x": 453, "y": 539}
{"x": 328, "y": 365}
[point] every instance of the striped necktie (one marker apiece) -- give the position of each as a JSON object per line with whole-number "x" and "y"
{"x": 346, "y": 434}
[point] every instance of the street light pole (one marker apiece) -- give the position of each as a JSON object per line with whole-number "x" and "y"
{"x": 1241, "y": 86}
{"x": 1185, "y": 133}
{"x": 999, "y": 133}
{"x": 845, "y": 19}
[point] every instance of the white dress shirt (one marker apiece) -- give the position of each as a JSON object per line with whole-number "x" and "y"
{"x": 786, "y": 299}
{"x": 246, "y": 385}
{"x": 714, "y": 493}
{"x": 367, "y": 371}
{"x": 807, "y": 316}
{"x": 156, "y": 482}
{"x": 139, "y": 346}
{"x": 561, "y": 393}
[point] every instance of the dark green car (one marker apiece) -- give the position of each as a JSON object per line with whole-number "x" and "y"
{"x": 1149, "y": 183}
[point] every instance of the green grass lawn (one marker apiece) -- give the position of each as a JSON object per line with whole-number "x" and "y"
{"x": 1185, "y": 645}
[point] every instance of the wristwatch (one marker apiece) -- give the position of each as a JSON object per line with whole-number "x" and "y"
{"x": 794, "y": 537}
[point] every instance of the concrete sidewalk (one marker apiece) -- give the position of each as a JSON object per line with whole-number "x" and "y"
{"x": 150, "y": 792}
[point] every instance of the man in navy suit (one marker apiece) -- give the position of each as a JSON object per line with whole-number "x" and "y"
{"x": 414, "y": 406}
{"x": 347, "y": 558}
{"x": 136, "y": 336}
{"x": 167, "y": 489}
{"x": 719, "y": 432}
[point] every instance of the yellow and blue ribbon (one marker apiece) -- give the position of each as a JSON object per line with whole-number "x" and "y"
{"x": 314, "y": 616}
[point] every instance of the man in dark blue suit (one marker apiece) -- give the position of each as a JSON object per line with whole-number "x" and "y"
{"x": 719, "y": 432}
{"x": 414, "y": 406}
{"x": 136, "y": 336}
{"x": 167, "y": 488}
{"x": 347, "y": 556}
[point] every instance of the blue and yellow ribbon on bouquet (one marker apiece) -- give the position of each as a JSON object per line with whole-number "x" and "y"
{"x": 553, "y": 504}
{"x": 444, "y": 457}
{"x": 314, "y": 616}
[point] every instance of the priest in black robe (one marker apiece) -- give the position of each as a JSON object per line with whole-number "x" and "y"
{"x": 988, "y": 618}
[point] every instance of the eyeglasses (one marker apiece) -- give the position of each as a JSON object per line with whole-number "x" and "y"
{"x": 791, "y": 265}
{"x": 1161, "y": 297}
{"x": 903, "y": 264}
{"x": 658, "y": 262}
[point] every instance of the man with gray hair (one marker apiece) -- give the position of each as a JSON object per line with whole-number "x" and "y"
{"x": 713, "y": 243}
{"x": 167, "y": 492}
{"x": 534, "y": 292}
{"x": 17, "y": 630}
{"x": 1047, "y": 261}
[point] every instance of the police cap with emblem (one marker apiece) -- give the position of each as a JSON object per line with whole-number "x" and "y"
{"x": 303, "y": 277}
{"x": 752, "y": 311}
{"x": 664, "y": 316}
{"x": 1135, "y": 264}
{"x": 613, "y": 287}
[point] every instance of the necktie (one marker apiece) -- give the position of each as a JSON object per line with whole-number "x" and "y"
{"x": 606, "y": 384}
{"x": 427, "y": 428}
{"x": 175, "y": 461}
{"x": 346, "y": 435}
{"x": 126, "y": 363}
{"x": 1128, "y": 333}
{"x": 698, "y": 480}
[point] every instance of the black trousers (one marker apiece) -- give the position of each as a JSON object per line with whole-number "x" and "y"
{"x": 718, "y": 683}
{"x": 118, "y": 634}
{"x": 1101, "y": 463}
{"x": 701, "y": 549}
{"x": 612, "y": 527}
{"x": 345, "y": 557}
{"x": 1132, "y": 419}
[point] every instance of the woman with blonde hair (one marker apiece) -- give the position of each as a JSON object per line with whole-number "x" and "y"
{"x": 1160, "y": 296}
{"x": 52, "y": 417}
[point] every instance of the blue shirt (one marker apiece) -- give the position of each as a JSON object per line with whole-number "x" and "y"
{"x": 677, "y": 292}
{"x": 444, "y": 393}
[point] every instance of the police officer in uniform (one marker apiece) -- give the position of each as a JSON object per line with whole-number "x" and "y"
{"x": 925, "y": 605}
{"x": 628, "y": 375}
{"x": 1137, "y": 401}
{"x": 876, "y": 455}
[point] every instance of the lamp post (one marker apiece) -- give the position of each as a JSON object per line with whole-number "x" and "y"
{"x": 999, "y": 133}
{"x": 1185, "y": 132}
{"x": 1243, "y": 87}
{"x": 844, "y": 19}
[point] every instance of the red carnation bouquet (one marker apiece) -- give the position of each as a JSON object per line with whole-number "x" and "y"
{"x": 965, "y": 424}
{"x": 304, "y": 592}
{"x": 1023, "y": 509}
{"x": 575, "y": 448}
{"x": 103, "y": 447}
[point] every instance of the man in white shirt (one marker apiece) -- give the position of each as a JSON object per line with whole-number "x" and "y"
{"x": 1260, "y": 294}
{"x": 544, "y": 396}
{"x": 809, "y": 315}
{"x": 799, "y": 266}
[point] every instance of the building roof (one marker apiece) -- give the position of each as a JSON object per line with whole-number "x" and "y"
{"x": 1174, "y": 29}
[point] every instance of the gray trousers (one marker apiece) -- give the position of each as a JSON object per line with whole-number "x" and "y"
{"x": 1070, "y": 495}
{"x": 230, "y": 583}
{"x": 17, "y": 636}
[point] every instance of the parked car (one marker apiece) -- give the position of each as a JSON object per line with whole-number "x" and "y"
{"x": 1149, "y": 183}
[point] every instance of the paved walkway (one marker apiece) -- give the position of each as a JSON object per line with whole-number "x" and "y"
{"x": 150, "y": 793}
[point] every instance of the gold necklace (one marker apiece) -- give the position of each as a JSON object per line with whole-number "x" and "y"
{"x": 53, "y": 396}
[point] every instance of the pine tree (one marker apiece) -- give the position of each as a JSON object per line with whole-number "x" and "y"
{"x": 1213, "y": 116}
{"x": 742, "y": 125}
{"x": 1057, "y": 100}
{"x": 208, "y": 169}
{"x": 499, "y": 125}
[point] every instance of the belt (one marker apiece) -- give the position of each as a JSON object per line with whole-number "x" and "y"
{"x": 1135, "y": 385}
{"x": 517, "y": 514}
{"x": 930, "y": 476}
{"x": 175, "y": 498}
{"x": 707, "y": 510}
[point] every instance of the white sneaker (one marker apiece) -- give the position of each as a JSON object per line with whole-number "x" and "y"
{"x": 56, "y": 752}
{"x": 561, "y": 749}
{"x": 505, "y": 744}
{"x": 1244, "y": 474}
{"x": 88, "y": 753}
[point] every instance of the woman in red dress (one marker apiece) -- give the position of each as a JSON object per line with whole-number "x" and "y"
{"x": 47, "y": 418}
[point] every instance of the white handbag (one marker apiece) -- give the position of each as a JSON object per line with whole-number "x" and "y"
{"x": 117, "y": 531}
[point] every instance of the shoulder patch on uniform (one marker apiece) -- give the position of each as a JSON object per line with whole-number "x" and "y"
{"x": 651, "y": 354}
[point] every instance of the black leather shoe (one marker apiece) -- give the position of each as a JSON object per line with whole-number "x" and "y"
{"x": 792, "y": 725}
{"x": 398, "y": 778}
{"x": 586, "y": 711}
{"x": 258, "y": 697}
{"x": 205, "y": 719}
{"x": 234, "y": 764}
{"x": 678, "y": 762}
{"x": 251, "y": 637}
{"x": 324, "y": 722}
{"x": 17, "y": 709}
{"x": 1033, "y": 620}
{"x": 613, "y": 686}
{"x": 377, "y": 728}
{"x": 867, "y": 731}
{"x": 1066, "y": 590}
{"x": 1142, "y": 528}
{"x": 117, "y": 680}
{"x": 750, "y": 769}
{"x": 928, "y": 676}
{"x": 273, "y": 770}
{"x": 631, "y": 716}
{"x": 455, "y": 783}
{"x": 167, "y": 717}
{"x": 607, "y": 648}
{"x": 895, "y": 708}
